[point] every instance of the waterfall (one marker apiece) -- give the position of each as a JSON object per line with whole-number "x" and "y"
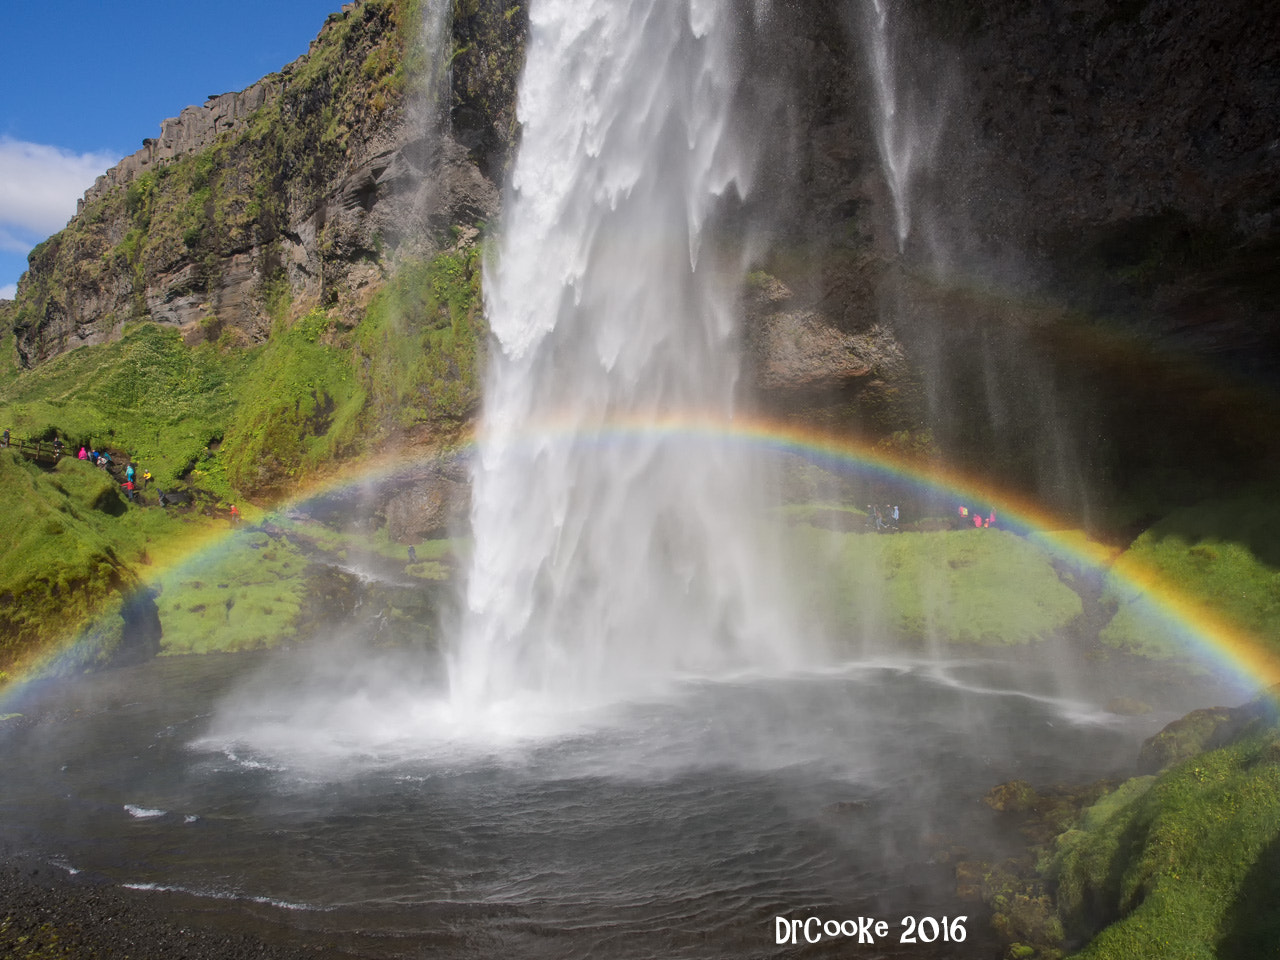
{"x": 613, "y": 550}
{"x": 893, "y": 138}
{"x": 981, "y": 378}
{"x": 436, "y": 28}
{"x": 907, "y": 124}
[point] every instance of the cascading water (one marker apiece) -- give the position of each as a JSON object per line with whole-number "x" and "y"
{"x": 984, "y": 385}
{"x": 437, "y": 17}
{"x": 906, "y": 129}
{"x": 896, "y": 146}
{"x": 609, "y": 554}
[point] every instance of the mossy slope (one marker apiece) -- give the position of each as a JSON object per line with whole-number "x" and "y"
{"x": 74, "y": 553}
{"x": 1224, "y": 554}
{"x": 985, "y": 587}
{"x": 235, "y": 423}
{"x": 1183, "y": 865}
{"x": 146, "y": 394}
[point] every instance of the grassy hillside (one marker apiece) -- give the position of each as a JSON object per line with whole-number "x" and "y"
{"x": 224, "y": 422}
{"x": 147, "y": 395}
{"x": 246, "y": 421}
{"x": 986, "y": 587}
{"x": 1183, "y": 865}
{"x": 74, "y": 551}
{"x": 1224, "y": 554}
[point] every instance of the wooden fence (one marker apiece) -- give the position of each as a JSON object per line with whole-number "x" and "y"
{"x": 41, "y": 451}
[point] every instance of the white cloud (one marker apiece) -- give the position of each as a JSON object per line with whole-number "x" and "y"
{"x": 13, "y": 243}
{"x": 40, "y": 184}
{"x": 8, "y": 291}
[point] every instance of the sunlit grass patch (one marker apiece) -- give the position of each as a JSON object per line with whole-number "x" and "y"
{"x": 73, "y": 547}
{"x": 246, "y": 593}
{"x": 434, "y": 559}
{"x": 148, "y": 393}
{"x": 986, "y": 587}
{"x": 1224, "y": 554}
{"x": 1183, "y": 865}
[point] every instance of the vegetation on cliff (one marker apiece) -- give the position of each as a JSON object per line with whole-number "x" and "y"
{"x": 73, "y": 555}
{"x": 168, "y": 242}
{"x": 227, "y": 423}
{"x": 147, "y": 394}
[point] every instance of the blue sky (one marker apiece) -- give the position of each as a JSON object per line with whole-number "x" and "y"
{"x": 84, "y": 82}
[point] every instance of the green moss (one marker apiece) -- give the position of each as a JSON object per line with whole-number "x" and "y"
{"x": 436, "y": 559}
{"x": 422, "y": 343}
{"x": 295, "y": 387}
{"x": 982, "y": 587}
{"x": 1225, "y": 554}
{"x": 1182, "y": 865}
{"x": 74, "y": 550}
{"x": 245, "y": 594}
{"x": 316, "y": 391}
{"x": 428, "y": 571}
{"x": 147, "y": 394}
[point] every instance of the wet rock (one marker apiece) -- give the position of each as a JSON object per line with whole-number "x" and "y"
{"x": 1127, "y": 707}
{"x": 44, "y": 912}
{"x": 141, "y": 632}
{"x": 846, "y": 808}
{"x": 429, "y": 509}
{"x": 796, "y": 346}
{"x": 1016, "y": 796}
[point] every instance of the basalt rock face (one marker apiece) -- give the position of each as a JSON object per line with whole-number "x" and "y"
{"x": 1075, "y": 160}
{"x": 1120, "y": 157}
{"x": 309, "y": 186}
{"x": 1041, "y": 127}
{"x": 432, "y": 507}
{"x": 797, "y": 346}
{"x": 1061, "y": 138}
{"x": 1101, "y": 112}
{"x": 191, "y": 131}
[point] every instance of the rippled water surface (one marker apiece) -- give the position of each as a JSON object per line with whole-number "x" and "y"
{"x": 679, "y": 826}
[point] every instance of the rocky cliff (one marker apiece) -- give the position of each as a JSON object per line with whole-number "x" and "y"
{"x": 1119, "y": 159}
{"x": 311, "y": 184}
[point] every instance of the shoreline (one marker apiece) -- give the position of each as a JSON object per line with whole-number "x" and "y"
{"x": 48, "y": 913}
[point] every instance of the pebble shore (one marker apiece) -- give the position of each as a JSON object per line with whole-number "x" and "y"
{"x": 49, "y": 914}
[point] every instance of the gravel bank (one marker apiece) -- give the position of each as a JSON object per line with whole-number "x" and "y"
{"x": 49, "y": 914}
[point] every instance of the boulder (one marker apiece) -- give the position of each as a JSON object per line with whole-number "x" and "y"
{"x": 430, "y": 509}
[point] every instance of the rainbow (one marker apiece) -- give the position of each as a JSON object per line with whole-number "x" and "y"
{"x": 1204, "y": 631}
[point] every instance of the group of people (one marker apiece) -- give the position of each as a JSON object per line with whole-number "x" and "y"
{"x": 886, "y": 518}
{"x": 975, "y": 517}
{"x": 883, "y": 520}
{"x": 132, "y": 482}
